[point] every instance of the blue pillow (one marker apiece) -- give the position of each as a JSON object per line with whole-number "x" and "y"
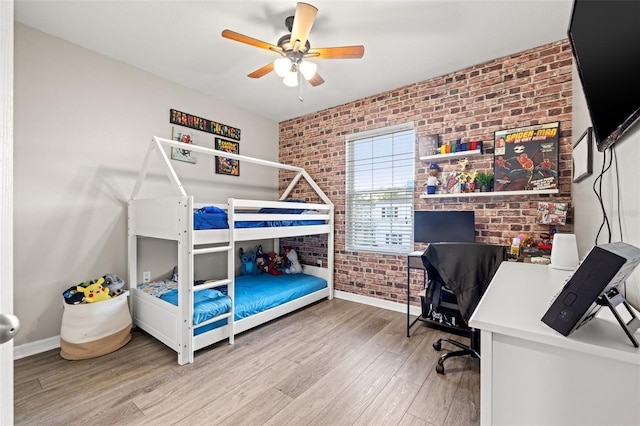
{"x": 210, "y": 217}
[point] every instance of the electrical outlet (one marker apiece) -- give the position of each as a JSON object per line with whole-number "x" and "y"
{"x": 319, "y": 262}
{"x": 146, "y": 276}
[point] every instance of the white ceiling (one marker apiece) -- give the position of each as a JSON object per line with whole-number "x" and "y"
{"x": 405, "y": 42}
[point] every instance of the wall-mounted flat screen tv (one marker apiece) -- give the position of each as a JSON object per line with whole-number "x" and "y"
{"x": 605, "y": 38}
{"x": 438, "y": 226}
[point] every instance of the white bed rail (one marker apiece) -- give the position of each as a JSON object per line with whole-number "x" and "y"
{"x": 156, "y": 146}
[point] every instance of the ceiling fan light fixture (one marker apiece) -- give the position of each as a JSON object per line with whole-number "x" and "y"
{"x": 294, "y": 48}
{"x": 308, "y": 69}
{"x": 282, "y": 66}
{"x": 291, "y": 79}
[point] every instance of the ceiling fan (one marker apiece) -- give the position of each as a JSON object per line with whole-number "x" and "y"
{"x": 295, "y": 49}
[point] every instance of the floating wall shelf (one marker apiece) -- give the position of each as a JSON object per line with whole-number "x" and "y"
{"x": 490, "y": 194}
{"x": 451, "y": 156}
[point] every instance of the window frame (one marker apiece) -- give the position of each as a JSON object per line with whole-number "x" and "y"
{"x": 396, "y": 193}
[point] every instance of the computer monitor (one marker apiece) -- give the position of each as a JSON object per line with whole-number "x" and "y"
{"x": 440, "y": 226}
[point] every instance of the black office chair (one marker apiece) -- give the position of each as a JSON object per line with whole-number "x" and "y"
{"x": 458, "y": 275}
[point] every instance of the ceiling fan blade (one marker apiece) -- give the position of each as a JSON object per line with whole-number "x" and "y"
{"x": 316, "y": 80}
{"x": 262, "y": 71}
{"x": 232, "y": 35}
{"x": 342, "y": 52}
{"x": 302, "y": 23}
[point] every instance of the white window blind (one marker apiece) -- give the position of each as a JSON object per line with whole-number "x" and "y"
{"x": 379, "y": 203}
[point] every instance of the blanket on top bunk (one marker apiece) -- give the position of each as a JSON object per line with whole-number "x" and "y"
{"x": 211, "y": 217}
{"x": 253, "y": 294}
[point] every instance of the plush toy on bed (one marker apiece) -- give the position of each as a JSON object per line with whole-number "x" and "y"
{"x": 260, "y": 257}
{"x": 295, "y": 266}
{"x": 248, "y": 261}
{"x": 271, "y": 265}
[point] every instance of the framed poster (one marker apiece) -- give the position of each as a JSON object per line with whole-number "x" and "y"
{"x": 227, "y": 166}
{"x": 188, "y": 137}
{"x": 526, "y": 158}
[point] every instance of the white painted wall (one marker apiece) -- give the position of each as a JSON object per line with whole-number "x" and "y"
{"x": 588, "y": 216}
{"x": 82, "y": 125}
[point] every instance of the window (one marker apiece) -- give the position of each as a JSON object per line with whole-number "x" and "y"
{"x": 379, "y": 205}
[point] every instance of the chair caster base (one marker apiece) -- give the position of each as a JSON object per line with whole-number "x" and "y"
{"x": 437, "y": 346}
{"x": 439, "y": 368}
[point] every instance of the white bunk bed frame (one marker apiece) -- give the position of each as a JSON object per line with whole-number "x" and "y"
{"x": 171, "y": 218}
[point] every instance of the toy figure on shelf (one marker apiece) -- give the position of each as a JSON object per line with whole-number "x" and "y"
{"x": 433, "y": 181}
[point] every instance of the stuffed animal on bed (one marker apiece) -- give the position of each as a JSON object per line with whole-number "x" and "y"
{"x": 94, "y": 292}
{"x": 248, "y": 263}
{"x": 295, "y": 266}
{"x": 271, "y": 265}
{"x": 260, "y": 257}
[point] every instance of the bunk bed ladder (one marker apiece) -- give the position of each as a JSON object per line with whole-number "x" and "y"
{"x": 187, "y": 250}
{"x": 229, "y": 282}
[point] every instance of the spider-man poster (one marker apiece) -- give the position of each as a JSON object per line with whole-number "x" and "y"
{"x": 526, "y": 158}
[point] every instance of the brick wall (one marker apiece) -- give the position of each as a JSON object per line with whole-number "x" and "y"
{"x": 527, "y": 88}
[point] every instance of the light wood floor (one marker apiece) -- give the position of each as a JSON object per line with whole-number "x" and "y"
{"x": 332, "y": 363}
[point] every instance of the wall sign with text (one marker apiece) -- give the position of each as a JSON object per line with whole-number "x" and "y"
{"x": 198, "y": 123}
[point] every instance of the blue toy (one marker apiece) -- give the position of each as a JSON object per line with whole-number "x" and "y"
{"x": 249, "y": 265}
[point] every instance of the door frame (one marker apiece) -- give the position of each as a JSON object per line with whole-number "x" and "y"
{"x": 6, "y": 202}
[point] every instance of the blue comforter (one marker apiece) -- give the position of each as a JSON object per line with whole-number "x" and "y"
{"x": 257, "y": 293}
{"x": 211, "y": 217}
{"x": 207, "y": 304}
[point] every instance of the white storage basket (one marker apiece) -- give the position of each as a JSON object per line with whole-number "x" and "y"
{"x": 90, "y": 330}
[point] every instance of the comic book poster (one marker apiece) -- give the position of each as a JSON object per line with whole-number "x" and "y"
{"x": 188, "y": 137}
{"x": 227, "y": 166}
{"x": 526, "y": 158}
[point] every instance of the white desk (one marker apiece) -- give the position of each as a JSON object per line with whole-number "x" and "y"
{"x": 531, "y": 374}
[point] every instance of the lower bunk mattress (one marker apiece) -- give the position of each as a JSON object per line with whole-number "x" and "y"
{"x": 253, "y": 294}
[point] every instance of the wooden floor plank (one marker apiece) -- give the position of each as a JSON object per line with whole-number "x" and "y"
{"x": 390, "y": 406}
{"x": 354, "y": 400}
{"x": 409, "y": 420}
{"x": 325, "y": 358}
{"x": 246, "y": 397}
{"x": 422, "y": 360}
{"x": 310, "y": 403}
{"x": 465, "y": 409}
{"x": 434, "y": 399}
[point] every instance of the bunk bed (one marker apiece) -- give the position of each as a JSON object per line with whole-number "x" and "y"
{"x": 174, "y": 315}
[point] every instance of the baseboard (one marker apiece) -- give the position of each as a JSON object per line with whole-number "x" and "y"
{"x": 378, "y": 303}
{"x": 34, "y": 348}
